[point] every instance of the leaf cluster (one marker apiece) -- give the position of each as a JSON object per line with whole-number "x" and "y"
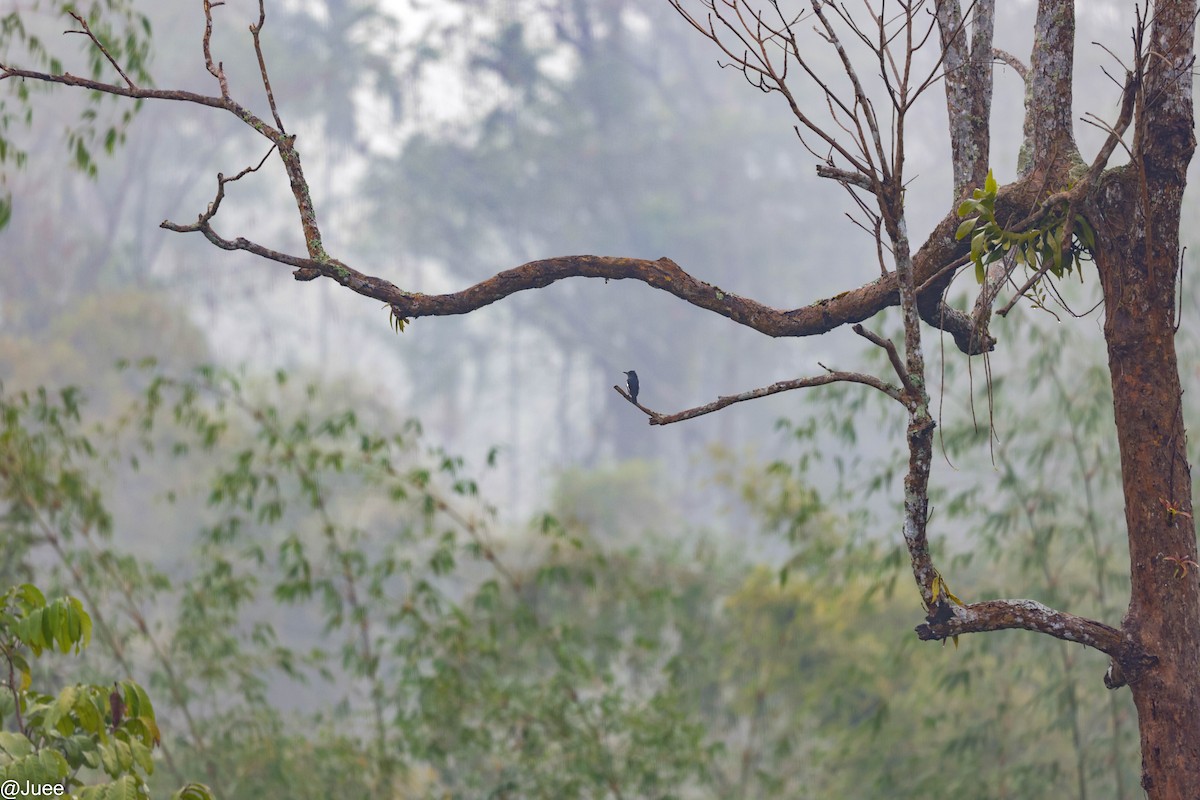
{"x": 85, "y": 729}
{"x": 1036, "y": 247}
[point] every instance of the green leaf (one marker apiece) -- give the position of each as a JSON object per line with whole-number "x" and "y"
{"x": 1086, "y": 235}
{"x": 31, "y": 596}
{"x": 53, "y": 763}
{"x": 108, "y": 758}
{"x": 85, "y": 624}
{"x": 965, "y": 228}
{"x": 90, "y": 717}
{"x": 15, "y": 745}
{"x": 989, "y": 184}
{"x": 22, "y": 667}
{"x": 141, "y": 755}
{"x": 62, "y": 705}
{"x": 978, "y": 242}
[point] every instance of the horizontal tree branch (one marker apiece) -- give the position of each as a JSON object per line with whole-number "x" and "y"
{"x": 135, "y": 92}
{"x": 845, "y": 176}
{"x": 995, "y": 615}
{"x": 940, "y": 251}
{"x": 832, "y": 376}
{"x": 662, "y": 274}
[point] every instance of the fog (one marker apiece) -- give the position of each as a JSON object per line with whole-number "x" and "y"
{"x": 532, "y": 374}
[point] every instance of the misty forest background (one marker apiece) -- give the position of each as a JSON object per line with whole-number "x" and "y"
{"x": 454, "y": 562}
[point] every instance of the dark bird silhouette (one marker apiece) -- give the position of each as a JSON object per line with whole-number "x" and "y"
{"x": 116, "y": 704}
{"x": 632, "y": 382}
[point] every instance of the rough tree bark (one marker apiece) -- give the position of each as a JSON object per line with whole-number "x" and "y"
{"x": 1133, "y": 209}
{"x": 1137, "y": 208}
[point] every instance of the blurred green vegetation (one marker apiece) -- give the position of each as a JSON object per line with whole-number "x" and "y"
{"x": 339, "y": 611}
{"x": 95, "y": 741}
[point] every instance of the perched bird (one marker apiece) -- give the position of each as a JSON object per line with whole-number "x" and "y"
{"x": 632, "y": 382}
{"x": 116, "y": 704}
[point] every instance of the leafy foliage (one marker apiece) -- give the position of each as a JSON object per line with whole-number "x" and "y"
{"x": 85, "y": 728}
{"x": 1036, "y": 247}
{"x": 344, "y": 613}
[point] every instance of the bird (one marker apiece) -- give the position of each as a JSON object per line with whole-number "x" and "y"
{"x": 116, "y": 704}
{"x": 632, "y": 382}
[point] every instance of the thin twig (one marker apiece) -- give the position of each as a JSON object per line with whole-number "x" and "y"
{"x": 100, "y": 46}
{"x": 893, "y": 356}
{"x": 216, "y": 70}
{"x": 255, "y": 30}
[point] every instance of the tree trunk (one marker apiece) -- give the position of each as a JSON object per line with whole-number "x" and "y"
{"x": 1138, "y": 209}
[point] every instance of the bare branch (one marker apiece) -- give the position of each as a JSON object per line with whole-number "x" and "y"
{"x": 1030, "y": 615}
{"x": 1011, "y": 61}
{"x": 893, "y": 356}
{"x": 217, "y": 70}
{"x": 100, "y": 46}
{"x": 255, "y": 30}
{"x": 1124, "y": 118}
{"x": 67, "y": 79}
{"x": 860, "y": 95}
{"x": 845, "y": 176}
{"x": 831, "y": 376}
{"x": 751, "y": 54}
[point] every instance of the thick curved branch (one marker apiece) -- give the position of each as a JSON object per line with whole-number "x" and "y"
{"x": 937, "y": 257}
{"x": 939, "y": 252}
{"x": 1029, "y": 615}
{"x": 820, "y": 317}
{"x": 662, "y": 274}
